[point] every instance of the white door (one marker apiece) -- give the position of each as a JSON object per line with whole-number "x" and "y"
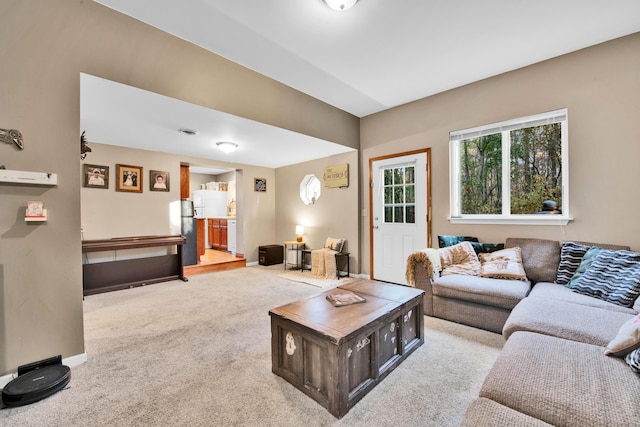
{"x": 398, "y": 213}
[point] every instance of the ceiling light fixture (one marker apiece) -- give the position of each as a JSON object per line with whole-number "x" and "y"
{"x": 226, "y": 146}
{"x": 189, "y": 132}
{"x": 340, "y": 5}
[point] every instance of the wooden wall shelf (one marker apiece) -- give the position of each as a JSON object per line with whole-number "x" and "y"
{"x": 24, "y": 177}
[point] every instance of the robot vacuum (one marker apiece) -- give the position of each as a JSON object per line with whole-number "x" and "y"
{"x": 35, "y": 385}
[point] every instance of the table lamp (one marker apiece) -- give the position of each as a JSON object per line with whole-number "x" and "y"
{"x": 299, "y": 233}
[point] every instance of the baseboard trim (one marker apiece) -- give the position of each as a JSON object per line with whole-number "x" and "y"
{"x": 71, "y": 362}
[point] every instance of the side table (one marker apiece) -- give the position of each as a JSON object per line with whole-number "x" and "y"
{"x": 290, "y": 247}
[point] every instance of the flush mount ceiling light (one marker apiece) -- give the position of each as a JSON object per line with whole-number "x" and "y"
{"x": 226, "y": 146}
{"x": 340, "y": 5}
{"x": 189, "y": 132}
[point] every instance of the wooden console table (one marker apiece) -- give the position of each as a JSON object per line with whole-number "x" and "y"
{"x": 127, "y": 273}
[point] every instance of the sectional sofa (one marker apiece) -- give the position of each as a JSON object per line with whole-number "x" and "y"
{"x": 557, "y": 324}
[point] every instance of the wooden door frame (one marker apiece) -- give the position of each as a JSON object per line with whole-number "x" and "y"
{"x": 427, "y": 151}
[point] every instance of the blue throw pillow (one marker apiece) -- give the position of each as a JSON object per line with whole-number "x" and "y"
{"x": 586, "y": 262}
{"x": 571, "y": 256}
{"x": 444, "y": 241}
{"x": 614, "y": 276}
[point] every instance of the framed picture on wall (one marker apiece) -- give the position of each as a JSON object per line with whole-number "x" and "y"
{"x": 95, "y": 176}
{"x": 158, "y": 180}
{"x": 260, "y": 185}
{"x": 129, "y": 178}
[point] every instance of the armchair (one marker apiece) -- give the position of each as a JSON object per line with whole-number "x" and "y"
{"x": 328, "y": 262}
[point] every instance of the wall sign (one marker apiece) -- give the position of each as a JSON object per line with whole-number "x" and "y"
{"x": 336, "y": 176}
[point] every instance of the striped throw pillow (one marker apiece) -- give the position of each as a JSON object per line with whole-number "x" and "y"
{"x": 570, "y": 258}
{"x": 614, "y": 276}
{"x": 633, "y": 360}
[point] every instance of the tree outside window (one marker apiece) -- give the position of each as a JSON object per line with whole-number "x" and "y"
{"x": 509, "y": 169}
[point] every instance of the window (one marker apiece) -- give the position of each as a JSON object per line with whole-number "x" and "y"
{"x": 504, "y": 172}
{"x": 400, "y": 195}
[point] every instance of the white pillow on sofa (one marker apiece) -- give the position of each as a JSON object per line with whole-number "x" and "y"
{"x": 627, "y": 339}
{"x": 503, "y": 264}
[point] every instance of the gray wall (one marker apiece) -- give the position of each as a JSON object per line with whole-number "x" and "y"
{"x": 601, "y": 89}
{"x": 45, "y": 46}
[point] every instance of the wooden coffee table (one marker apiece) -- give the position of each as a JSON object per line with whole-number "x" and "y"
{"x": 336, "y": 355}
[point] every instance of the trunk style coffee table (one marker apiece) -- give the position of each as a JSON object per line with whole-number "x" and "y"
{"x": 336, "y": 355}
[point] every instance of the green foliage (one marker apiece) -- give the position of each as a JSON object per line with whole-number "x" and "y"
{"x": 535, "y": 170}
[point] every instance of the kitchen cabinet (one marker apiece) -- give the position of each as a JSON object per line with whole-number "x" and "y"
{"x": 200, "y": 227}
{"x": 218, "y": 233}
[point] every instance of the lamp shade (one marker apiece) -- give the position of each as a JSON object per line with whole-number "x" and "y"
{"x": 299, "y": 230}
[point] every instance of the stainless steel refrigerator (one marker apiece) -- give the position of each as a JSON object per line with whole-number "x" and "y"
{"x": 188, "y": 229}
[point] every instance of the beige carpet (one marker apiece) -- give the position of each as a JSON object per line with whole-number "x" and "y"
{"x": 198, "y": 354}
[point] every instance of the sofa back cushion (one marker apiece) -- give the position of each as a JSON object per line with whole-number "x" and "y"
{"x": 540, "y": 257}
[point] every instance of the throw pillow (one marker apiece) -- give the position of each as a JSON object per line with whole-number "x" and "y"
{"x": 614, "y": 276}
{"x": 504, "y": 264}
{"x": 334, "y": 244}
{"x": 570, "y": 258}
{"x": 586, "y": 262}
{"x": 459, "y": 259}
{"x": 444, "y": 241}
{"x": 486, "y": 248}
{"x": 633, "y": 360}
{"x": 627, "y": 340}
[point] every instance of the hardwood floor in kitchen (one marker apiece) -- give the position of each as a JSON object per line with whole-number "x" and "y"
{"x": 213, "y": 260}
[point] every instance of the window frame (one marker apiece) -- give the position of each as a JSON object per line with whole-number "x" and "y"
{"x": 456, "y": 217}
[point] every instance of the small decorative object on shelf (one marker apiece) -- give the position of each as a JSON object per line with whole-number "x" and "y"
{"x": 35, "y": 211}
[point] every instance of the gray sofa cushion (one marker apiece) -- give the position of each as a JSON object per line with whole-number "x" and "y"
{"x": 562, "y": 293}
{"x": 563, "y": 382}
{"x": 540, "y": 257}
{"x": 487, "y": 413}
{"x": 493, "y": 292}
{"x": 565, "y": 320}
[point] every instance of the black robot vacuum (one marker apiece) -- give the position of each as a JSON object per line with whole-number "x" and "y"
{"x": 35, "y": 382}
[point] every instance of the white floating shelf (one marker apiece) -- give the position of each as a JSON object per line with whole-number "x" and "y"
{"x": 24, "y": 177}
{"x": 40, "y": 218}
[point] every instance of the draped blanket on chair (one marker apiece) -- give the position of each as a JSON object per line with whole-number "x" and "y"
{"x": 323, "y": 263}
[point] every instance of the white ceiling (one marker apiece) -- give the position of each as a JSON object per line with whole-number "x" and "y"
{"x": 384, "y": 53}
{"x": 117, "y": 114}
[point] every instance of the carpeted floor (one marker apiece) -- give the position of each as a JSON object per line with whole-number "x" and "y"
{"x": 198, "y": 354}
